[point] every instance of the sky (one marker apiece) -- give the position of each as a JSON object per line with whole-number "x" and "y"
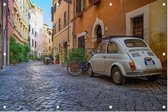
{"x": 45, "y": 5}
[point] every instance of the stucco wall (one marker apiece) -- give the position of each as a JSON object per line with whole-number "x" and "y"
{"x": 158, "y": 29}
{"x": 114, "y": 18}
{"x": 62, "y": 35}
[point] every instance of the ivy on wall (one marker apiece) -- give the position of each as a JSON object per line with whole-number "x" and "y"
{"x": 18, "y": 52}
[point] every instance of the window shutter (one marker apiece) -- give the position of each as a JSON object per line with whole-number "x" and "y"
{"x": 78, "y": 6}
{"x": 52, "y": 13}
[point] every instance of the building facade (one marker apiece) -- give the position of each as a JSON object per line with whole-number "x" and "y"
{"x": 6, "y": 31}
{"x": 21, "y": 8}
{"x": 35, "y": 30}
{"x": 62, "y": 15}
{"x": 48, "y": 41}
{"x": 40, "y": 33}
{"x": 15, "y": 22}
{"x": 147, "y": 19}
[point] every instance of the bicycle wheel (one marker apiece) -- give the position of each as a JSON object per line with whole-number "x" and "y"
{"x": 74, "y": 68}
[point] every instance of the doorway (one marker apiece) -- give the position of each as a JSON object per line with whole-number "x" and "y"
{"x": 98, "y": 35}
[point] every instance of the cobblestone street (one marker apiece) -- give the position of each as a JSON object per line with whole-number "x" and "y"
{"x": 34, "y": 86}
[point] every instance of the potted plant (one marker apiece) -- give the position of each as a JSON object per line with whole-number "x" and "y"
{"x": 74, "y": 56}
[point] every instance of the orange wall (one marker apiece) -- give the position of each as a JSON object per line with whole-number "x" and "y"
{"x": 114, "y": 17}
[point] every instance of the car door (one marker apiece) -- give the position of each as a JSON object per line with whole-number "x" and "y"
{"x": 98, "y": 59}
{"x": 112, "y": 56}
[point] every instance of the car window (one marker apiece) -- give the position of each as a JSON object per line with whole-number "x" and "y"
{"x": 112, "y": 48}
{"x": 101, "y": 48}
{"x": 134, "y": 43}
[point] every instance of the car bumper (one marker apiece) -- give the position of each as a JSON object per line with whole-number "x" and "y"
{"x": 144, "y": 73}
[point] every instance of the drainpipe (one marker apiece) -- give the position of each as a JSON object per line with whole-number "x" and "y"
{"x": 73, "y": 35}
{"x": 4, "y": 32}
{"x": 1, "y": 30}
{"x": 68, "y": 21}
{"x": 7, "y": 43}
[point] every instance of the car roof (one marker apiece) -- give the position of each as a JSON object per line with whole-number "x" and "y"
{"x": 121, "y": 38}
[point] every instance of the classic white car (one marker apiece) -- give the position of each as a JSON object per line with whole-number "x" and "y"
{"x": 121, "y": 57}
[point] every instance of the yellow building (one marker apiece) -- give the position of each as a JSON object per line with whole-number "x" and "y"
{"x": 62, "y": 16}
{"x": 21, "y": 8}
{"x": 48, "y": 42}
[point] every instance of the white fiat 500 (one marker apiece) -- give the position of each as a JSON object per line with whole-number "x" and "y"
{"x": 120, "y": 57}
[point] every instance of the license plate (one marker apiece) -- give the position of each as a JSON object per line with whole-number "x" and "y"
{"x": 148, "y": 62}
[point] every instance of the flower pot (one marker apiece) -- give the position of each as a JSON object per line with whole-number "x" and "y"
{"x": 73, "y": 67}
{"x": 56, "y": 62}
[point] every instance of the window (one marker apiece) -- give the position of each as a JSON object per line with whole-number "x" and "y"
{"x": 49, "y": 33}
{"x": 59, "y": 2}
{"x": 59, "y": 27}
{"x": 138, "y": 26}
{"x": 65, "y": 44}
{"x": 29, "y": 28}
{"x": 52, "y": 13}
{"x": 29, "y": 16}
{"x": 35, "y": 34}
{"x": 79, "y": 6}
{"x": 102, "y": 48}
{"x": 59, "y": 48}
{"x": 35, "y": 44}
{"x": 54, "y": 29}
{"x": 9, "y": 15}
{"x": 54, "y": 8}
{"x": 112, "y": 48}
{"x": 32, "y": 31}
{"x": 49, "y": 40}
{"x": 49, "y": 48}
{"x": 134, "y": 43}
{"x": 32, "y": 42}
{"x": 81, "y": 42}
{"x": 65, "y": 17}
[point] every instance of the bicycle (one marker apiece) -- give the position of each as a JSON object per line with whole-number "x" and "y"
{"x": 76, "y": 67}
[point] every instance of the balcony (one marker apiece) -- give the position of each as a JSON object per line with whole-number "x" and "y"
{"x": 94, "y": 2}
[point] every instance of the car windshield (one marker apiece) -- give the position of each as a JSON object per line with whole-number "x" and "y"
{"x": 134, "y": 43}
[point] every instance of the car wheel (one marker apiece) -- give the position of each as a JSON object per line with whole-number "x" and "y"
{"x": 152, "y": 78}
{"x": 117, "y": 76}
{"x": 90, "y": 71}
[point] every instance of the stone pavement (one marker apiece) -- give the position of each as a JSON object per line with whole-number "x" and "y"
{"x": 34, "y": 86}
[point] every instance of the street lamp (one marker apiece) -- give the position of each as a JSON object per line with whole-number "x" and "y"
{"x": 164, "y": 4}
{"x": 110, "y": 3}
{"x": 4, "y": 4}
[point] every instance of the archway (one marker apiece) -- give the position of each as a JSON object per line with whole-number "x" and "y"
{"x": 97, "y": 32}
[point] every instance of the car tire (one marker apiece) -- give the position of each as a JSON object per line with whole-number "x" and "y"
{"x": 117, "y": 76}
{"x": 90, "y": 71}
{"x": 152, "y": 78}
